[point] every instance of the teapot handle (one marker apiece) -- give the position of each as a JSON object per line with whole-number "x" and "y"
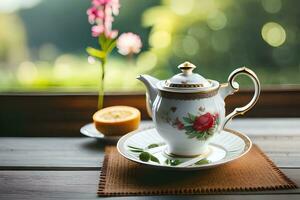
{"x": 232, "y": 87}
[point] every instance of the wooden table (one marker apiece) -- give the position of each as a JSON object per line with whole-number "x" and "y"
{"x": 69, "y": 168}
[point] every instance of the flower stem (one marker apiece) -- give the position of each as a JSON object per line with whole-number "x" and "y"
{"x": 101, "y": 87}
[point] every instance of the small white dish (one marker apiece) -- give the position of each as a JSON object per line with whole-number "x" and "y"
{"x": 90, "y": 130}
{"x": 227, "y": 146}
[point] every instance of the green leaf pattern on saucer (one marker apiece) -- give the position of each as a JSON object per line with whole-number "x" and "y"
{"x": 144, "y": 155}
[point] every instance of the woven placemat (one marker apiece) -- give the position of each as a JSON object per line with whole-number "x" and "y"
{"x": 253, "y": 172}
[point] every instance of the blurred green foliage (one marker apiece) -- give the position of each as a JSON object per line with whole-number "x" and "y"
{"x": 43, "y": 47}
{"x": 219, "y": 36}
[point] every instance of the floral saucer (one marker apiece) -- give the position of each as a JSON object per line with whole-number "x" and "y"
{"x": 148, "y": 148}
{"x": 90, "y": 130}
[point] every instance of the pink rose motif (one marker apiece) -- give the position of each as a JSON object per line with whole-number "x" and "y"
{"x": 179, "y": 124}
{"x": 216, "y": 116}
{"x": 204, "y": 122}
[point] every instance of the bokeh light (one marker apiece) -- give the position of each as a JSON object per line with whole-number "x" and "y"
{"x": 205, "y": 6}
{"x": 216, "y": 20}
{"x": 198, "y": 31}
{"x": 272, "y": 6}
{"x": 274, "y": 34}
{"x": 177, "y": 46}
{"x": 190, "y": 45}
{"x": 27, "y": 72}
{"x": 160, "y": 39}
{"x": 147, "y": 60}
{"x": 91, "y": 60}
{"x": 10, "y": 6}
{"x": 216, "y": 34}
{"x": 182, "y": 7}
{"x": 48, "y": 52}
{"x": 62, "y": 67}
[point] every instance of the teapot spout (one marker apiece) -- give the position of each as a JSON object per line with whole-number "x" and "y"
{"x": 152, "y": 91}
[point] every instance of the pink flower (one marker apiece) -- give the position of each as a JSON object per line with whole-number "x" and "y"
{"x": 112, "y": 34}
{"x": 97, "y": 30}
{"x": 102, "y": 13}
{"x": 94, "y": 14}
{"x": 115, "y": 6}
{"x": 129, "y": 43}
{"x": 108, "y": 19}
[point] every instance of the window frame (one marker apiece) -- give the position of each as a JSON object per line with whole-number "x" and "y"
{"x": 62, "y": 114}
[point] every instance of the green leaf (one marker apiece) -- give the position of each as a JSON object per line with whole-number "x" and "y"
{"x": 192, "y": 117}
{"x": 187, "y": 120}
{"x": 202, "y": 162}
{"x": 173, "y": 162}
{"x": 102, "y": 41}
{"x": 154, "y": 159}
{"x": 96, "y": 53}
{"x": 193, "y": 134}
{"x": 185, "y": 124}
{"x": 145, "y": 156}
{"x": 189, "y": 128}
{"x": 136, "y": 150}
{"x": 111, "y": 46}
{"x": 201, "y": 136}
{"x": 134, "y": 147}
{"x": 218, "y": 121}
{"x": 152, "y": 146}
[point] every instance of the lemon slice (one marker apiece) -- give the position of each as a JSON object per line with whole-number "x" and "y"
{"x": 117, "y": 120}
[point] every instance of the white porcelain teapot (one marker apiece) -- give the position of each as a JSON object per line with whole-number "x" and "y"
{"x": 189, "y": 110}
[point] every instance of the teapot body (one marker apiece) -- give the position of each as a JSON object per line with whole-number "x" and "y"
{"x": 188, "y": 110}
{"x": 187, "y": 122}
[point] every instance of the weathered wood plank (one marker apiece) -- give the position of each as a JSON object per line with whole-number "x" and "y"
{"x": 83, "y": 185}
{"x": 51, "y": 152}
{"x": 88, "y": 152}
{"x": 80, "y": 152}
{"x": 283, "y": 146}
{"x": 267, "y": 126}
{"x": 48, "y": 184}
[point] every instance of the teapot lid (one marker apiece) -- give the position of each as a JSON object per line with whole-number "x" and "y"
{"x": 187, "y": 79}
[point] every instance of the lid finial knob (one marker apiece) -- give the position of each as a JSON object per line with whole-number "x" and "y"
{"x": 187, "y": 68}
